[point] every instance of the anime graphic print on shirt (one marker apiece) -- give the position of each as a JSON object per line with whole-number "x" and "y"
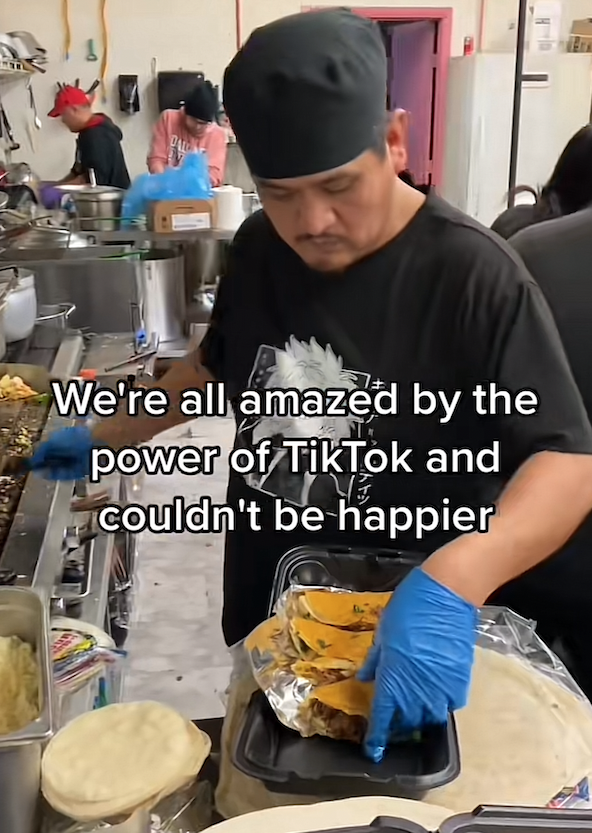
{"x": 305, "y": 366}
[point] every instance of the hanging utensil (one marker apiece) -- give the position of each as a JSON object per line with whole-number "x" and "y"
{"x": 12, "y": 143}
{"x": 105, "y": 61}
{"x": 91, "y": 55}
{"x": 33, "y": 105}
{"x": 67, "y": 28}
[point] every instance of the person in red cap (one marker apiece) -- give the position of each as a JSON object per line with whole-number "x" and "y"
{"x": 98, "y": 147}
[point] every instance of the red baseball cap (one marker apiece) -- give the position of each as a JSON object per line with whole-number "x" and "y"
{"x": 68, "y": 97}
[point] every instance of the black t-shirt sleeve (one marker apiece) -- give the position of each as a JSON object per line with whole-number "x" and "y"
{"x": 518, "y": 346}
{"x": 225, "y": 323}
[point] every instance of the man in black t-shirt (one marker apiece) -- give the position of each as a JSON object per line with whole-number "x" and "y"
{"x": 351, "y": 280}
{"x": 558, "y": 255}
{"x": 98, "y": 147}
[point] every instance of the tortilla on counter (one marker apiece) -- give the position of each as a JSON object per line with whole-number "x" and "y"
{"x": 340, "y": 710}
{"x": 352, "y": 611}
{"x": 523, "y": 737}
{"x": 347, "y": 813}
{"x": 313, "y": 639}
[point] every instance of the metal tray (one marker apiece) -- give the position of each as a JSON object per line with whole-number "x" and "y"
{"x": 24, "y": 613}
{"x": 14, "y": 416}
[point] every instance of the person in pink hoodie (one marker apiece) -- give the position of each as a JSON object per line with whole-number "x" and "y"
{"x": 192, "y": 128}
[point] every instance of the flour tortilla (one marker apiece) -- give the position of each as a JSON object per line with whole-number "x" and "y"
{"x": 105, "y": 810}
{"x": 350, "y": 812}
{"x": 121, "y": 757}
{"x": 523, "y": 738}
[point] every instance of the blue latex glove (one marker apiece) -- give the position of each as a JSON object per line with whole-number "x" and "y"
{"x": 421, "y": 661}
{"x": 65, "y": 455}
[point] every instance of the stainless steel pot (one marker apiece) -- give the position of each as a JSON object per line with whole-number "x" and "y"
{"x": 20, "y": 173}
{"x": 24, "y": 614}
{"x": 5, "y": 291}
{"x": 98, "y": 208}
{"x": 161, "y": 294}
{"x": 55, "y": 315}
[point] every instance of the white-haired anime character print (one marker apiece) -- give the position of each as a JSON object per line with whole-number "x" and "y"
{"x": 302, "y": 366}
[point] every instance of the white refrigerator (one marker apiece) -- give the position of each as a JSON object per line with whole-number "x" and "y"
{"x": 556, "y": 102}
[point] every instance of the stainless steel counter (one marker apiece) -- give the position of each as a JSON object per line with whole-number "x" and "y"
{"x": 34, "y": 547}
{"x": 138, "y": 237}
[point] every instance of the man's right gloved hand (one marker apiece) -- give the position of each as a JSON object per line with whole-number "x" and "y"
{"x": 65, "y": 455}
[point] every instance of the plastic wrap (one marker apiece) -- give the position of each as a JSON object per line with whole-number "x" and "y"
{"x": 80, "y": 653}
{"x": 270, "y": 651}
{"x": 189, "y": 811}
{"x": 190, "y": 181}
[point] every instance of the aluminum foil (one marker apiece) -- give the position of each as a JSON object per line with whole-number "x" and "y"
{"x": 499, "y": 629}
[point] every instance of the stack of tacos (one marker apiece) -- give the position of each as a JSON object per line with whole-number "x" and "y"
{"x": 317, "y": 643}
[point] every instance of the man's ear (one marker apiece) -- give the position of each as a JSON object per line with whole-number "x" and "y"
{"x": 396, "y": 138}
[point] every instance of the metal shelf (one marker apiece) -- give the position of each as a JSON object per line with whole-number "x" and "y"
{"x": 12, "y": 69}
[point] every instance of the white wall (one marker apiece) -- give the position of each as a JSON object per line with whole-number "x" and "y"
{"x": 179, "y": 34}
{"x": 501, "y": 17}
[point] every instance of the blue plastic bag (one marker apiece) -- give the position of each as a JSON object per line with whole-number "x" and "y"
{"x": 190, "y": 181}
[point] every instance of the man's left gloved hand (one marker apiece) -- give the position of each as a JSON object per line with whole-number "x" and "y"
{"x": 422, "y": 659}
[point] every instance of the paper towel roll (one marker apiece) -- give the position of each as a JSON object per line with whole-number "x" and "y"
{"x": 229, "y": 207}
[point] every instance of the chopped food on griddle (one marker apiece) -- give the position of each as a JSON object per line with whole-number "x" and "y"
{"x": 13, "y": 389}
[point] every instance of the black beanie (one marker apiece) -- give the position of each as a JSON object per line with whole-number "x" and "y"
{"x": 306, "y": 93}
{"x": 202, "y": 102}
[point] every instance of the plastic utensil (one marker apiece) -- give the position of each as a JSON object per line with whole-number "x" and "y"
{"x": 105, "y": 60}
{"x": 67, "y": 28}
{"x": 91, "y": 55}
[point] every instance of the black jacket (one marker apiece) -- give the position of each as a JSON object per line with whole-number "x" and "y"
{"x": 99, "y": 148}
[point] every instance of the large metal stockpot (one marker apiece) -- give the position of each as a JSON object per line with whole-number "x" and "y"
{"x": 98, "y": 207}
{"x": 24, "y": 613}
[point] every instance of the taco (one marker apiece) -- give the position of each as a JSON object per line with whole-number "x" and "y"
{"x": 340, "y": 710}
{"x": 353, "y": 611}
{"x": 312, "y": 639}
{"x": 324, "y": 670}
{"x": 264, "y": 637}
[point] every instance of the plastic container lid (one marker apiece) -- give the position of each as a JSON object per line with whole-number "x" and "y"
{"x": 486, "y": 820}
{"x": 288, "y": 763}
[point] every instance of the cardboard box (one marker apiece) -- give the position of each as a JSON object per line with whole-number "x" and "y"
{"x": 580, "y": 39}
{"x": 169, "y": 216}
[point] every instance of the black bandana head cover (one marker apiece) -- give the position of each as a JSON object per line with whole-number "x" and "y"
{"x": 307, "y": 93}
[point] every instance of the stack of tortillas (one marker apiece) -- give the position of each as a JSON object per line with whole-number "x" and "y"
{"x": 116, "y": 760}
{"x": 523, "y": 738}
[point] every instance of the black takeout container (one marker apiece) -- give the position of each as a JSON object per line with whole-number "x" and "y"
{"x": 288, "y": 763}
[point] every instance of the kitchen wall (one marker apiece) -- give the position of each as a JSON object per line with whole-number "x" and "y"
{"x": 180, "y": 34}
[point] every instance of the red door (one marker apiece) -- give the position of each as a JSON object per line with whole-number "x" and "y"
{"x": 413, "y": 48}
